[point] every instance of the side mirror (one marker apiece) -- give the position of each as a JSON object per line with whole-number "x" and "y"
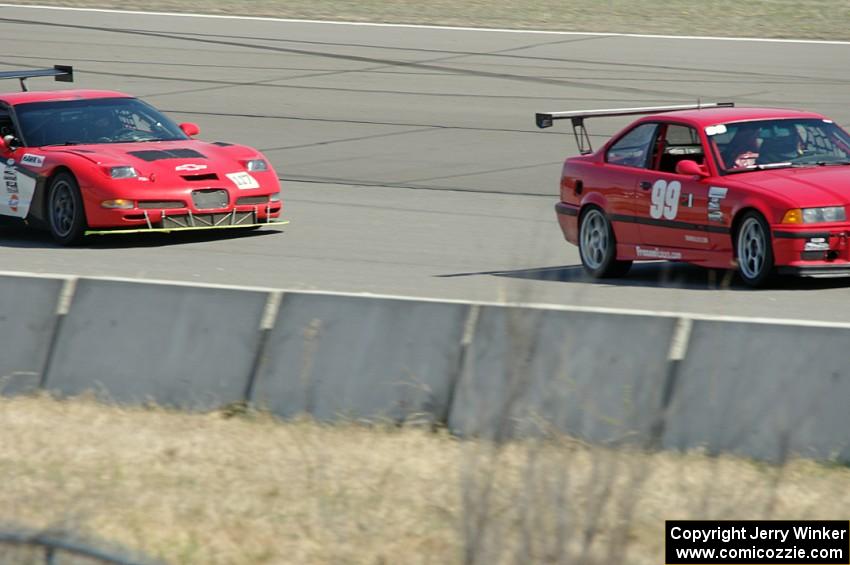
{"x": 689, "y": 167}
{"x": 10, "y": 142}
{"x": 190, "y": 129}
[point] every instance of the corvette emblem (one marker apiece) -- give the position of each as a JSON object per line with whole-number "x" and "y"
{"x": 190, "y": 167}
{"x": 13, "y": 203}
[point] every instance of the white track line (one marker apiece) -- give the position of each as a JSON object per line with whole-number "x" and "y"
{"x": 542, "y": 306}
{"x": 416, "y": 26}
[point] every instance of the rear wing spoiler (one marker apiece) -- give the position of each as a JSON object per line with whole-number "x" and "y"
{"x": 547, "y": 119}
{"x": 62, "y": 73}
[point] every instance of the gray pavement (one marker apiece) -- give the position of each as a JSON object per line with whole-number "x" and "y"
{"x": 409, "y": 157}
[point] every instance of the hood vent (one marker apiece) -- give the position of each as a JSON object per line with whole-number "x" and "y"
{"x": 202, "y": 177}
{"x": 158, "y": 154}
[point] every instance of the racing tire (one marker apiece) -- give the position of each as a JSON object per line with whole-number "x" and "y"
{"x": 66, "y": 216}
{"x": 598, "y": 247}
{"x": 754, "y": 250}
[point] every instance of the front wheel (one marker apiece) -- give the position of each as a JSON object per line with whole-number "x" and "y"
{"x": 597, "y": 246}
{"x": 65, "y": 213}
{"x": 754, "y": 250}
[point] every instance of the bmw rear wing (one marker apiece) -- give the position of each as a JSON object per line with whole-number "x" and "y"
{"x": 547, "y": 119}
{"x": 61, "y": 73}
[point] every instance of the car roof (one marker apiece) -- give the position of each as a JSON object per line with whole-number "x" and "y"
{"x": 711, "y": 116}
{"x": 15, "y": 98}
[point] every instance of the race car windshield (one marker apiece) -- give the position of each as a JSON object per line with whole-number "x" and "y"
{"x": 770, "y": 144}
{"x": 98, "y": 120}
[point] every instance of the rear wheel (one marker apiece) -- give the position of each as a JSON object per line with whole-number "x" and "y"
{"x": 754, "y": 250}
{"x": 65, "y": 214}
{"x": 597, "y": 246}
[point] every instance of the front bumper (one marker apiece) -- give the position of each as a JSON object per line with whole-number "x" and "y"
{"x": 197, "y": 222}
{"x": 808, "y": 252}
{"x": 816, "y": 271}
{"x": 184, "y": 219}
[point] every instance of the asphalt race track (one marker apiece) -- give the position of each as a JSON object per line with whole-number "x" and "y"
{"x": 409, "y": 159}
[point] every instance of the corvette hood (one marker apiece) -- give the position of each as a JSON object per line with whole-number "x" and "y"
{"x": 168, "y": 161}
{"x": 805, "y": 187}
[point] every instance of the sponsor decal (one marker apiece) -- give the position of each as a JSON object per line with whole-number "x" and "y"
{"x": 19, "y": 188}
{"x": 719, "y": 129}
{"x": 716, "y": 216}
{"x": 816, "y": 244}
{"x": 10, "y": 178}
{"x": 190, "y": 167}
{"x": 656, "y": 253}
{"x": 696, "y": 238}
{"x": 243, "y": 180}
{"x": 32, "y": 160}
{"x": 717, "y": 192}
{"x": 715, "y": 195}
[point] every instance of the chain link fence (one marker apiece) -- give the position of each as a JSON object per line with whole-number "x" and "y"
{"x": 22, "y": 546}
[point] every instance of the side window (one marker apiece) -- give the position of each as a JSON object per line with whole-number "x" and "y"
{"x": 632, "y": 150}
{"x": 680, "y": 143}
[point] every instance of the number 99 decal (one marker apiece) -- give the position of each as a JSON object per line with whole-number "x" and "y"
{"x": 665, "y": 199}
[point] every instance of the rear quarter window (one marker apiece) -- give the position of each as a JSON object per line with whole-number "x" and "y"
{"x": 632, "y": 149}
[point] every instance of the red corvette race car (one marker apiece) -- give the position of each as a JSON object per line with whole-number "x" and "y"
{"x": 761, "y": 190}
{"x": 82, "y": 162}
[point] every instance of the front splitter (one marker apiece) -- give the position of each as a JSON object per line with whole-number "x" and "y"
{"x": 182, "y": 229}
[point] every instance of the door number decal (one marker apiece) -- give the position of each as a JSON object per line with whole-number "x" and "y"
{"x": 665, "y": 199}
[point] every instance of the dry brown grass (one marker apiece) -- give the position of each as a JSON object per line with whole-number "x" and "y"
{"x": 818, "y": 19}
{"x": 205, "y": 488}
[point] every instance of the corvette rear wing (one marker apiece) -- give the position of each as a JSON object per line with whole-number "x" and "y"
{"x": 62, "y": 73}
{"x": 546, "y": 119}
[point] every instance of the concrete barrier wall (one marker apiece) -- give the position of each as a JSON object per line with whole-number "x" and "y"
{"x": 355, "y": 357}
{"x": 758, "y": 389}
{"x": 764, "y": 391}
{"x": 27, "y": 324}
{"x": 174, "y": 345}
{"x": 599, "y": 377}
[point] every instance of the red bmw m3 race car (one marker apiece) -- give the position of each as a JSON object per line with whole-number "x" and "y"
{"x": 757, "y": 189}
{"x": 83, "y": 162}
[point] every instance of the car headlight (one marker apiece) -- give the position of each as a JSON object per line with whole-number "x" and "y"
{"x": 815, "y": 215}
{"x": 123, "y": 172}
{"x": 257, "y": 165}
{"x": 275, "y": 197}
{"x": 827, "y": 214}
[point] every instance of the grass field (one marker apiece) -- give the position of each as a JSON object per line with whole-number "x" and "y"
{"x": 208, "y": 489}
{"x": 812, "y": 19}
